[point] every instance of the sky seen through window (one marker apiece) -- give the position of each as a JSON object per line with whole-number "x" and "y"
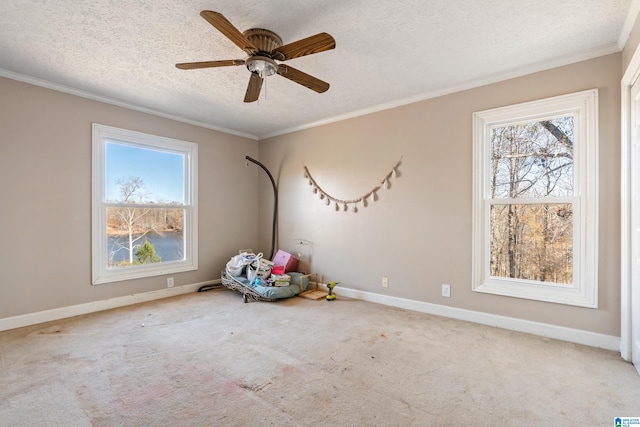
{"x": 161, "y": 171}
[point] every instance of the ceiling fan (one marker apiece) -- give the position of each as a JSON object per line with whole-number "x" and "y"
{"x": 264, "y": 47}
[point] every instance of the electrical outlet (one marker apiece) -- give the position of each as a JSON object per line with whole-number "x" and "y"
{"x": 170, "y": 282}
{"x": 385, "y": 282}
{"x": 446, "y": 290}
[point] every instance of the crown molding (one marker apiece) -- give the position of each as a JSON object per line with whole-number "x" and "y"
{"x": 94, "y": 97}
{"x": 495, "y": 78}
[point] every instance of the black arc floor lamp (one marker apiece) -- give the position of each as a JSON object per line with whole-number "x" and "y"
{"x": 275, "y": 203}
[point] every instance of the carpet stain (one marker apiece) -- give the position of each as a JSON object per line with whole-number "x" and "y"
{"x": 230, "y": 388}
{"x": 258, "y": 387}
{"x": 375, "y": 338}
{"x": 290, "y": 369}
{"x": 56, "y": 330}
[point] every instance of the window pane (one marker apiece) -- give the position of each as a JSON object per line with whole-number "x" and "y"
{"x": 533, "y": 159}
{"x": 144, "y": 235}
{"x": 140, "y": 175}
{"x": 535, "y": 182}
{"x": 532, "y": 242}
{"x": 144, "y": 205}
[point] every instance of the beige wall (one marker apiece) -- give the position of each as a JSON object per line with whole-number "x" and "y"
{"x": 419, "y": 232}
{"x": 45, "y": 191}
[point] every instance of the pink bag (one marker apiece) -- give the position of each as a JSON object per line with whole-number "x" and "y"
{"x": 285, "y": 259}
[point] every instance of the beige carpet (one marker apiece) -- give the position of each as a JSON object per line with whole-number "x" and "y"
{"x": 208, "y": 359}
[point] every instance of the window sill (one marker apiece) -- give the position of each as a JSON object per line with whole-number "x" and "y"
{"x": 568, "y": 295}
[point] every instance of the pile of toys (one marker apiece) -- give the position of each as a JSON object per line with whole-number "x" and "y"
{"x": 260, "y": 271}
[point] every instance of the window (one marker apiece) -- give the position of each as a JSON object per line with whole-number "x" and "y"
{"x": 144, "y": 205}
{"x": 535, "y": 204}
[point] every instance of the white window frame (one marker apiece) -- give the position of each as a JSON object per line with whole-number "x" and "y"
{"x": 584, "y": 289}
{"x": 101, "y": 134}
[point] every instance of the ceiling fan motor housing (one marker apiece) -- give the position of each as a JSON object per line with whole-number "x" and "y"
{"x": 264, "y": 40}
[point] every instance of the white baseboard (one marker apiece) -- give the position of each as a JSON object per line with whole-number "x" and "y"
{"x": 91, "y": 307}
{"x": 577, "y": 336}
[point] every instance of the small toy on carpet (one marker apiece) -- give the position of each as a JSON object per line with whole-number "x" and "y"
{"x": 331, "y": 296}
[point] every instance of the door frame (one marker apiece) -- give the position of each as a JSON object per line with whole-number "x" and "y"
{"x": 631, "y": 74}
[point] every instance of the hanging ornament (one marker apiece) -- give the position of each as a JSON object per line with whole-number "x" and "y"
{"x": 371, "y": 196}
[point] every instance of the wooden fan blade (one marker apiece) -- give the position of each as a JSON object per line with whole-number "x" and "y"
{"x": 314, "y": 44}
{"x": 253, "y": 90}
{"x": 232, "y": 33}
{"x": 304, "y": 79}
{"x": 209, "y": 64}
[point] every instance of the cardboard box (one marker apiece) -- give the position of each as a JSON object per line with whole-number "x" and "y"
{"x": 285, "y": 259}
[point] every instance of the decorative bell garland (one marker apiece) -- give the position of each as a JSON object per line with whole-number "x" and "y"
{"x": 362, "y": 200}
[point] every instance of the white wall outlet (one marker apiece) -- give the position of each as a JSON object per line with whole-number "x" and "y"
{"x": 446, "y": 290}
{"x": 169, "y": 282}
{"x": 385, "y": 282}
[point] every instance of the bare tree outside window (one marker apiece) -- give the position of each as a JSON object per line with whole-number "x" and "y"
{"x": 144, "y": 213}
{"x": 532, "y": 237}
{"x": 135, "y": 222}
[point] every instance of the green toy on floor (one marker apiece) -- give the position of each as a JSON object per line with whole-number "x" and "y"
{"x": 331, "y": 296}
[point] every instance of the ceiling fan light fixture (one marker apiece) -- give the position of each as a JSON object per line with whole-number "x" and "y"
{"x": 262, "y": 65}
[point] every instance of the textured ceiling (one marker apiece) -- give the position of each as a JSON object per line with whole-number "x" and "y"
{"x": 388, "y": 52}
